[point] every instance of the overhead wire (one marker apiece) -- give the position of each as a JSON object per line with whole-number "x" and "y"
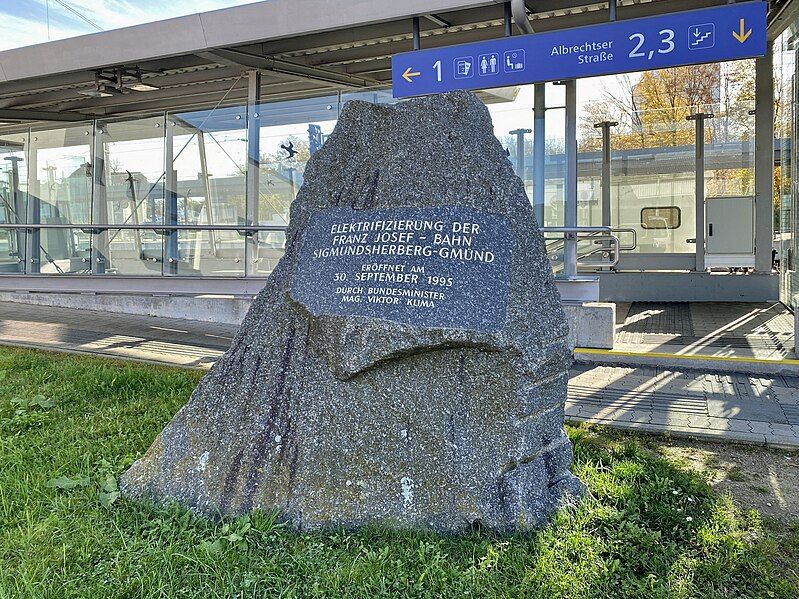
{"x": 78, "y": 14}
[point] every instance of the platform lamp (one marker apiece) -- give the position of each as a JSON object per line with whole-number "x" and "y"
{"x": 118, "y": 81}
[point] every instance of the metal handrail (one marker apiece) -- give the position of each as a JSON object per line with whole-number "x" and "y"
{"x": 623, "y": 248}
{"x": 635, "y": 238}
{"x": 597, "y": 234}
{"x": 245, "y": 230}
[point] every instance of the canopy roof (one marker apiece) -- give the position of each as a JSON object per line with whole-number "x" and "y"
{"x": 303, "y": 48}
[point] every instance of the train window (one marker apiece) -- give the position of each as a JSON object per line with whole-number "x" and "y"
{"x": 661, "y": 217}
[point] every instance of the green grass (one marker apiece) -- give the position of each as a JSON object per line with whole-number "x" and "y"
{"x": 69, "y": 425}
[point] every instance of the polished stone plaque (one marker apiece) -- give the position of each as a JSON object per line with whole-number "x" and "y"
{"x": 441, "y": 267}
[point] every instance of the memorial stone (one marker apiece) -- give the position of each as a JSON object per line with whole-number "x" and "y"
{"x": 406, "y": 362}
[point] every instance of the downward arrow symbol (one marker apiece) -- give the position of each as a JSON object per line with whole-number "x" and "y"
{"x": 743, "y": 35}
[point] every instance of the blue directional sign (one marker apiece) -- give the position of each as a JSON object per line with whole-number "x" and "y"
{"x": 727, "y": 32}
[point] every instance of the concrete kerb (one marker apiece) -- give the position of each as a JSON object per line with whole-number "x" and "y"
{"x": 718, "y": 436}
{"x": 710, "y": 364}
{"x": 217, "y": 309}
{"x": 105, "y": 355}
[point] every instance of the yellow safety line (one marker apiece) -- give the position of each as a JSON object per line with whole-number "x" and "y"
{"x": 610, "y": 352}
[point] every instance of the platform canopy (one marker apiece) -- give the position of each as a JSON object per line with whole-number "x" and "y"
{"x": 303, "y": 48}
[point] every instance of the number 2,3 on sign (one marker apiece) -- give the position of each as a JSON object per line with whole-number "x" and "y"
{"x": 665, "y": 44}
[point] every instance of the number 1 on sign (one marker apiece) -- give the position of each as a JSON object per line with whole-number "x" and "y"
{"x": 437, "y": 69}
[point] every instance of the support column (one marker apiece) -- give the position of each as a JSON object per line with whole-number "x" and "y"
{"x": 764, "y": 160}
{"x": 100, "y": 243}
{"x": 539, "y": 151}
{"x": 570, "y": 196}
{"x": 171, "y": 240}
{"x": 253, "y": 167}
{"x": 33, "y": 214}
{"x": 699, "y": 185}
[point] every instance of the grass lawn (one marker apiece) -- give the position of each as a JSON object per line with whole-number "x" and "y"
{"x": 653, "y": 526}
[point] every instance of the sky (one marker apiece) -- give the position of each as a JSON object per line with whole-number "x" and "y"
{"x": 27, "y": 22}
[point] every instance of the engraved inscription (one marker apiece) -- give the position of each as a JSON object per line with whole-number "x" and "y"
{"x": 447, "y": 266}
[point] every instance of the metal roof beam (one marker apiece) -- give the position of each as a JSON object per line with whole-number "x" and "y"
{"x": 63, "y": 96}
{"x": 8, "y": 114}
{"x": 438, "y": 20}
{"x": 278, "y": 65}
{"x": 519, "y": 10}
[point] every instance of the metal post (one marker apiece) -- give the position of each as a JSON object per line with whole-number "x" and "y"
{"x": 100, "y": 249}
{"x": 764, "y": 160}
{"x": 606, "y": 183}
{"x": 539, "y": 151}
{"x": 417, "y": 35}
{"x": 699, "y": 184}
{"x": 520, "y": 133}
{"x": 253, "y": 167}
{"x": 570, "y": 200}
{"x": 508, "y": 20}
{"x": 33, "y": 213}
{"x": 606, "y": 157}
{"x": 171, "y": 241}
{"x": 612, "y": 9}
{"x": 291, "y": 182}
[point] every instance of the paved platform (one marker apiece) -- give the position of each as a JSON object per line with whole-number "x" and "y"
{"x": 732, "y": 337}
{"x": 736, "y": 406}
{"x": 722, "y": 329}
{"x": 160, "y": 340}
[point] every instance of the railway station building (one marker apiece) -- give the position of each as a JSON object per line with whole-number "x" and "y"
{"x": 160, "y": 160}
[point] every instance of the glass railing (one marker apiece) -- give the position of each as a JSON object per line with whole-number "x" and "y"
{"x": 201, "y": 194}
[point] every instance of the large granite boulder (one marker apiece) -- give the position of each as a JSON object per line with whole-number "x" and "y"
{"x": 406, "y": 362}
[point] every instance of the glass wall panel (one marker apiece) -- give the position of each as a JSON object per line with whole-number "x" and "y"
{"x": 589, "y": 169}
{"x": 209, "y": 166}
{"x": 291, "y": 132}
{"x": 60, "y": 189}
{"x": 373, "y": 96}
{"x": 132, "y": 157}
{"x": 653, "y": 167}
{"x": 729, "y": 150}
{"x": 13, "y": 200}
{"x": 512, "y": 114}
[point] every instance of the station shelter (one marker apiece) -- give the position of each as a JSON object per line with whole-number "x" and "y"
{"x": 163, "y": 158}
